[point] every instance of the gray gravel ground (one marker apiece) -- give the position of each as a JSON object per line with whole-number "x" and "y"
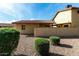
{"x": 67, "y": 47}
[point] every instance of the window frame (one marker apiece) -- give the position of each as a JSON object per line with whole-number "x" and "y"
{"x": 66, "y": 25}
{"x": 23, "y": 27}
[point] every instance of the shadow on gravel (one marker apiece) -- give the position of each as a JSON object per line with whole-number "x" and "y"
{"x": 20, "y": 55}
{"x": 55, "y": 54}
{"x": 65, "y": 45}
{"x": 51, "y": 54}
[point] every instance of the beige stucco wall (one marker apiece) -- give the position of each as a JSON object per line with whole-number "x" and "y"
{"x": 29, "y": 28}
{"x": 63, "y": 17}
{"x": 62, "y": 32}
{"x": 75, "y": 18}
{"x": 68, "y": 16}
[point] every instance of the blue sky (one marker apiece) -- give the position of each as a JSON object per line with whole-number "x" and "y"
{"x": 10, "y": 12}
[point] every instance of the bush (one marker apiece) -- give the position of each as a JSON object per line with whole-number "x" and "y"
{"x": 8, "y": 40}
{"x": 55, "y": 40}
{"x": 42, "y": 46}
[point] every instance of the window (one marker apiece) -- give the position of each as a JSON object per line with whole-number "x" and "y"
{"x": 65, "y": 25}
{"x": 23, "y": 27}
{"x": 78, "y": 11}
{"x": 59, "y": 26}
{"x": 47, "y": 26}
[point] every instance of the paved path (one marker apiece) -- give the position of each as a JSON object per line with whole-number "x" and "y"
{"x": 67, "y": 46}
{"x": 26, "y": 45}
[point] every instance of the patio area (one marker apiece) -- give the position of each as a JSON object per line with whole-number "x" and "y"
{"x": 67, "y": 47}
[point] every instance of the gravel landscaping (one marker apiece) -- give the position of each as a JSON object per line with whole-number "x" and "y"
{"x": 67, "y": 47}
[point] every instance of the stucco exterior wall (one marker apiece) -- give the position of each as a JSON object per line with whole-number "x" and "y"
{"x": 29, "y": 28}
{"x": 63, "y": 17}
{"x": 62, "y": 32}
{"x": 75, "y": 18}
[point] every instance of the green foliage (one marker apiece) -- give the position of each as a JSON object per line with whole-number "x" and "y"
{"x": 42, "y": 46}
{"x": 8, "y": 40}
{"x": 55, "y": 39}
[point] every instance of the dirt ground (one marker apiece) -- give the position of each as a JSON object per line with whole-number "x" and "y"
{"x": 67, "y": 47}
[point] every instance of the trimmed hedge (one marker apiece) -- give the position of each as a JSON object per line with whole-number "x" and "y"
{"x": 8, "y": 40}
{"x": 55, "y": 40}
{"x": 42, "y": 46}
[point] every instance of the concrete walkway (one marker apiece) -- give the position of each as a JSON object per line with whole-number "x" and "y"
{"x": 68, "y": 47}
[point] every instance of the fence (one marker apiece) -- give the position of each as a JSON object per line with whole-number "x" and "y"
{"x": 63, "y": 32}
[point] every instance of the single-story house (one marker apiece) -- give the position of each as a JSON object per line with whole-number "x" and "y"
{"x": 27, "y": 26}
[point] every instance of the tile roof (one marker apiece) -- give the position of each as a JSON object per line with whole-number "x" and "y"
{"x": 34, "y": 21}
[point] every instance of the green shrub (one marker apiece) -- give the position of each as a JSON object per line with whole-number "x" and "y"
{"x": 8, "y": 40}
{"x": 42, "y": 46}
{"x": 55, "y": 40}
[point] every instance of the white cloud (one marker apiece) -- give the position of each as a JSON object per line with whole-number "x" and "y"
{"x": 7, "y": 8}
{"x": 7, "y": 21}
{"x": 32, "y": 19}
{"x": 16, "y": 10}
{"x": 5, "y": 5}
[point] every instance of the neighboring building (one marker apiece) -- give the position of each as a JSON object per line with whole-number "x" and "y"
{"x": 69, "y": 17}
{"x": 6, "y": 25}
{"x": 27, "y": 26}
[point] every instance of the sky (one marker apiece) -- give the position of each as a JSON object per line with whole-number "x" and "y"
{"x": 11, "y": 12}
